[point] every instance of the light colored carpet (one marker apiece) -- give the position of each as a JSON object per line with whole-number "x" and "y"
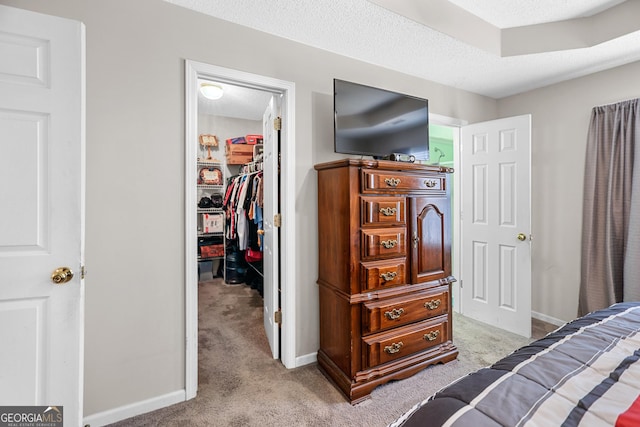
{"x": 241, "y": 385}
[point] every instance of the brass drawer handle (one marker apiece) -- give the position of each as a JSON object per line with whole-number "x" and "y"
{"x": 393, "y": 348}
{"x": 392, "y": 182}
{"x": 432, "y": 336}
{"x": 388, "y": 211}
{"x": 394, "y": 314}
{"x": 388, "y": 244}
{"x": 388, "y": 276}
{"x": 433, "y": 304}
{"x": 430, "y": 183}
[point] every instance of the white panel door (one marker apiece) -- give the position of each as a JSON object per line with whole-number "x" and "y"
{"x": 496, "y": 223}
{"x": 41, "y": 213}
{"x": 271, "y": 262}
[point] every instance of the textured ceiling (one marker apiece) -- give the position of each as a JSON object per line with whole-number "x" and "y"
{"x": 371, "y": 33}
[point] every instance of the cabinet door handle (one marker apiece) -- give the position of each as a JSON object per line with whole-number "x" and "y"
{"x": 433, "y": 304}
{"x": 388, "y": 276}
{"x": 431, "y": 336}
{"x": 388, "y": 211}
{"x": 388, "y": 244}
{"x": 393, "y": 348}
{"x": 392, "y": 182}
{"x": 394, "y": 314}
{"x": 430, "y": 183}
{"x": 415, "y": 239}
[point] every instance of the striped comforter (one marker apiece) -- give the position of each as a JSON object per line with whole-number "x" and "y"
{"x": 586, "y": 373}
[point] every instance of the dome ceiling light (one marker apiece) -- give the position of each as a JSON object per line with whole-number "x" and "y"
{"x": 211, "y": 91}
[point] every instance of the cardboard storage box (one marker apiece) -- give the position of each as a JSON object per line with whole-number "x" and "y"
{"x": 239, "y": 160}
{"x": 238, "y": 154}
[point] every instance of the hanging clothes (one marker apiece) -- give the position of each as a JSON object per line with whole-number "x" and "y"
{"x": 229, "y": 207}
{"x": 255, "y": 216}
{"x": 242, "y": 230}
{"x": 243, "y": 205}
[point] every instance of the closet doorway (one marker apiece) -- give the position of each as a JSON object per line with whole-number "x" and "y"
{"x": 273, "y": 100}
{"x": 444, "y": 149}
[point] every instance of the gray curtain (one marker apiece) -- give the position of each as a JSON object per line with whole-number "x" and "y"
{"x": 610, "y": 270}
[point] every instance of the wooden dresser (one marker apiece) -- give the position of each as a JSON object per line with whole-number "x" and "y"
{"x": 384, "y": 273}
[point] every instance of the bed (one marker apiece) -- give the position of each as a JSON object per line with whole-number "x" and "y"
{"x": 586, "y": 373}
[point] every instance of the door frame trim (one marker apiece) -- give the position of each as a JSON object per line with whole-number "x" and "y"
{"x": 456, "y": 220}
{"x": 193, "y": 71}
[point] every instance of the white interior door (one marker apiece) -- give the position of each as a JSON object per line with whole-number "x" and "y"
{"x": 271, "y": 261}
{"x": 496, "y": 223}
{"x": 41, "y": 214}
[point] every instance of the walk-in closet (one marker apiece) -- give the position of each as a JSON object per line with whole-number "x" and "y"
{"x": 231, "y": 186}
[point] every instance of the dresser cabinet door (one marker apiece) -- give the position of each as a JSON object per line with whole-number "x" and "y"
{"x": 430, "y": 239}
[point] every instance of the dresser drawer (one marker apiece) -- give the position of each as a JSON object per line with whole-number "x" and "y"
{"x": 404, "y": 341}
{"x": 380, "y": 211}
{"x": 383, "y": 274}
{"x": 402, "y": 182}
{"x": 383, "y": 243}
{"x": 389, "y": 313}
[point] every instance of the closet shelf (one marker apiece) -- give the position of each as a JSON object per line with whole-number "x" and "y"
{"x": 210, "y": 187}
{"x": 219, "y": 233}
{"x": 209, "y": 258}
{"x": 202, "y": 163}
{"x": 210, "y": 210}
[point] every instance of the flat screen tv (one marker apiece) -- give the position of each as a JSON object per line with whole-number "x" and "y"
{"x": 375, "y": 122}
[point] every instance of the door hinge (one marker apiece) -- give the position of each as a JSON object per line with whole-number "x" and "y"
{"x": 277, "y": 317}
{"x": 277, "y": 220}
{"x": 83, "y": 272}
{"x": 277, "y": 123}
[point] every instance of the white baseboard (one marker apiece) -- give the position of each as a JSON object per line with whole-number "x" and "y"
{"x": 123, "y": 412}
{"x": 306, "y": 359}
{"x": 548, "y": 319}
{"x": 128, "y": 411}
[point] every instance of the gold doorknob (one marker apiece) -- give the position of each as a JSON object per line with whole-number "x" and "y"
{"x": 61, "y": 275}
{"x": 522, "y": 237}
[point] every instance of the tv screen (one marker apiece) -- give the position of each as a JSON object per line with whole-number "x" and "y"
{"x": 375, "y": 122}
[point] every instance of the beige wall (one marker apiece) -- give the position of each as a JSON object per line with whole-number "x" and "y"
{"x": 560, "y": 118}
{"x": 135, "y": 175}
